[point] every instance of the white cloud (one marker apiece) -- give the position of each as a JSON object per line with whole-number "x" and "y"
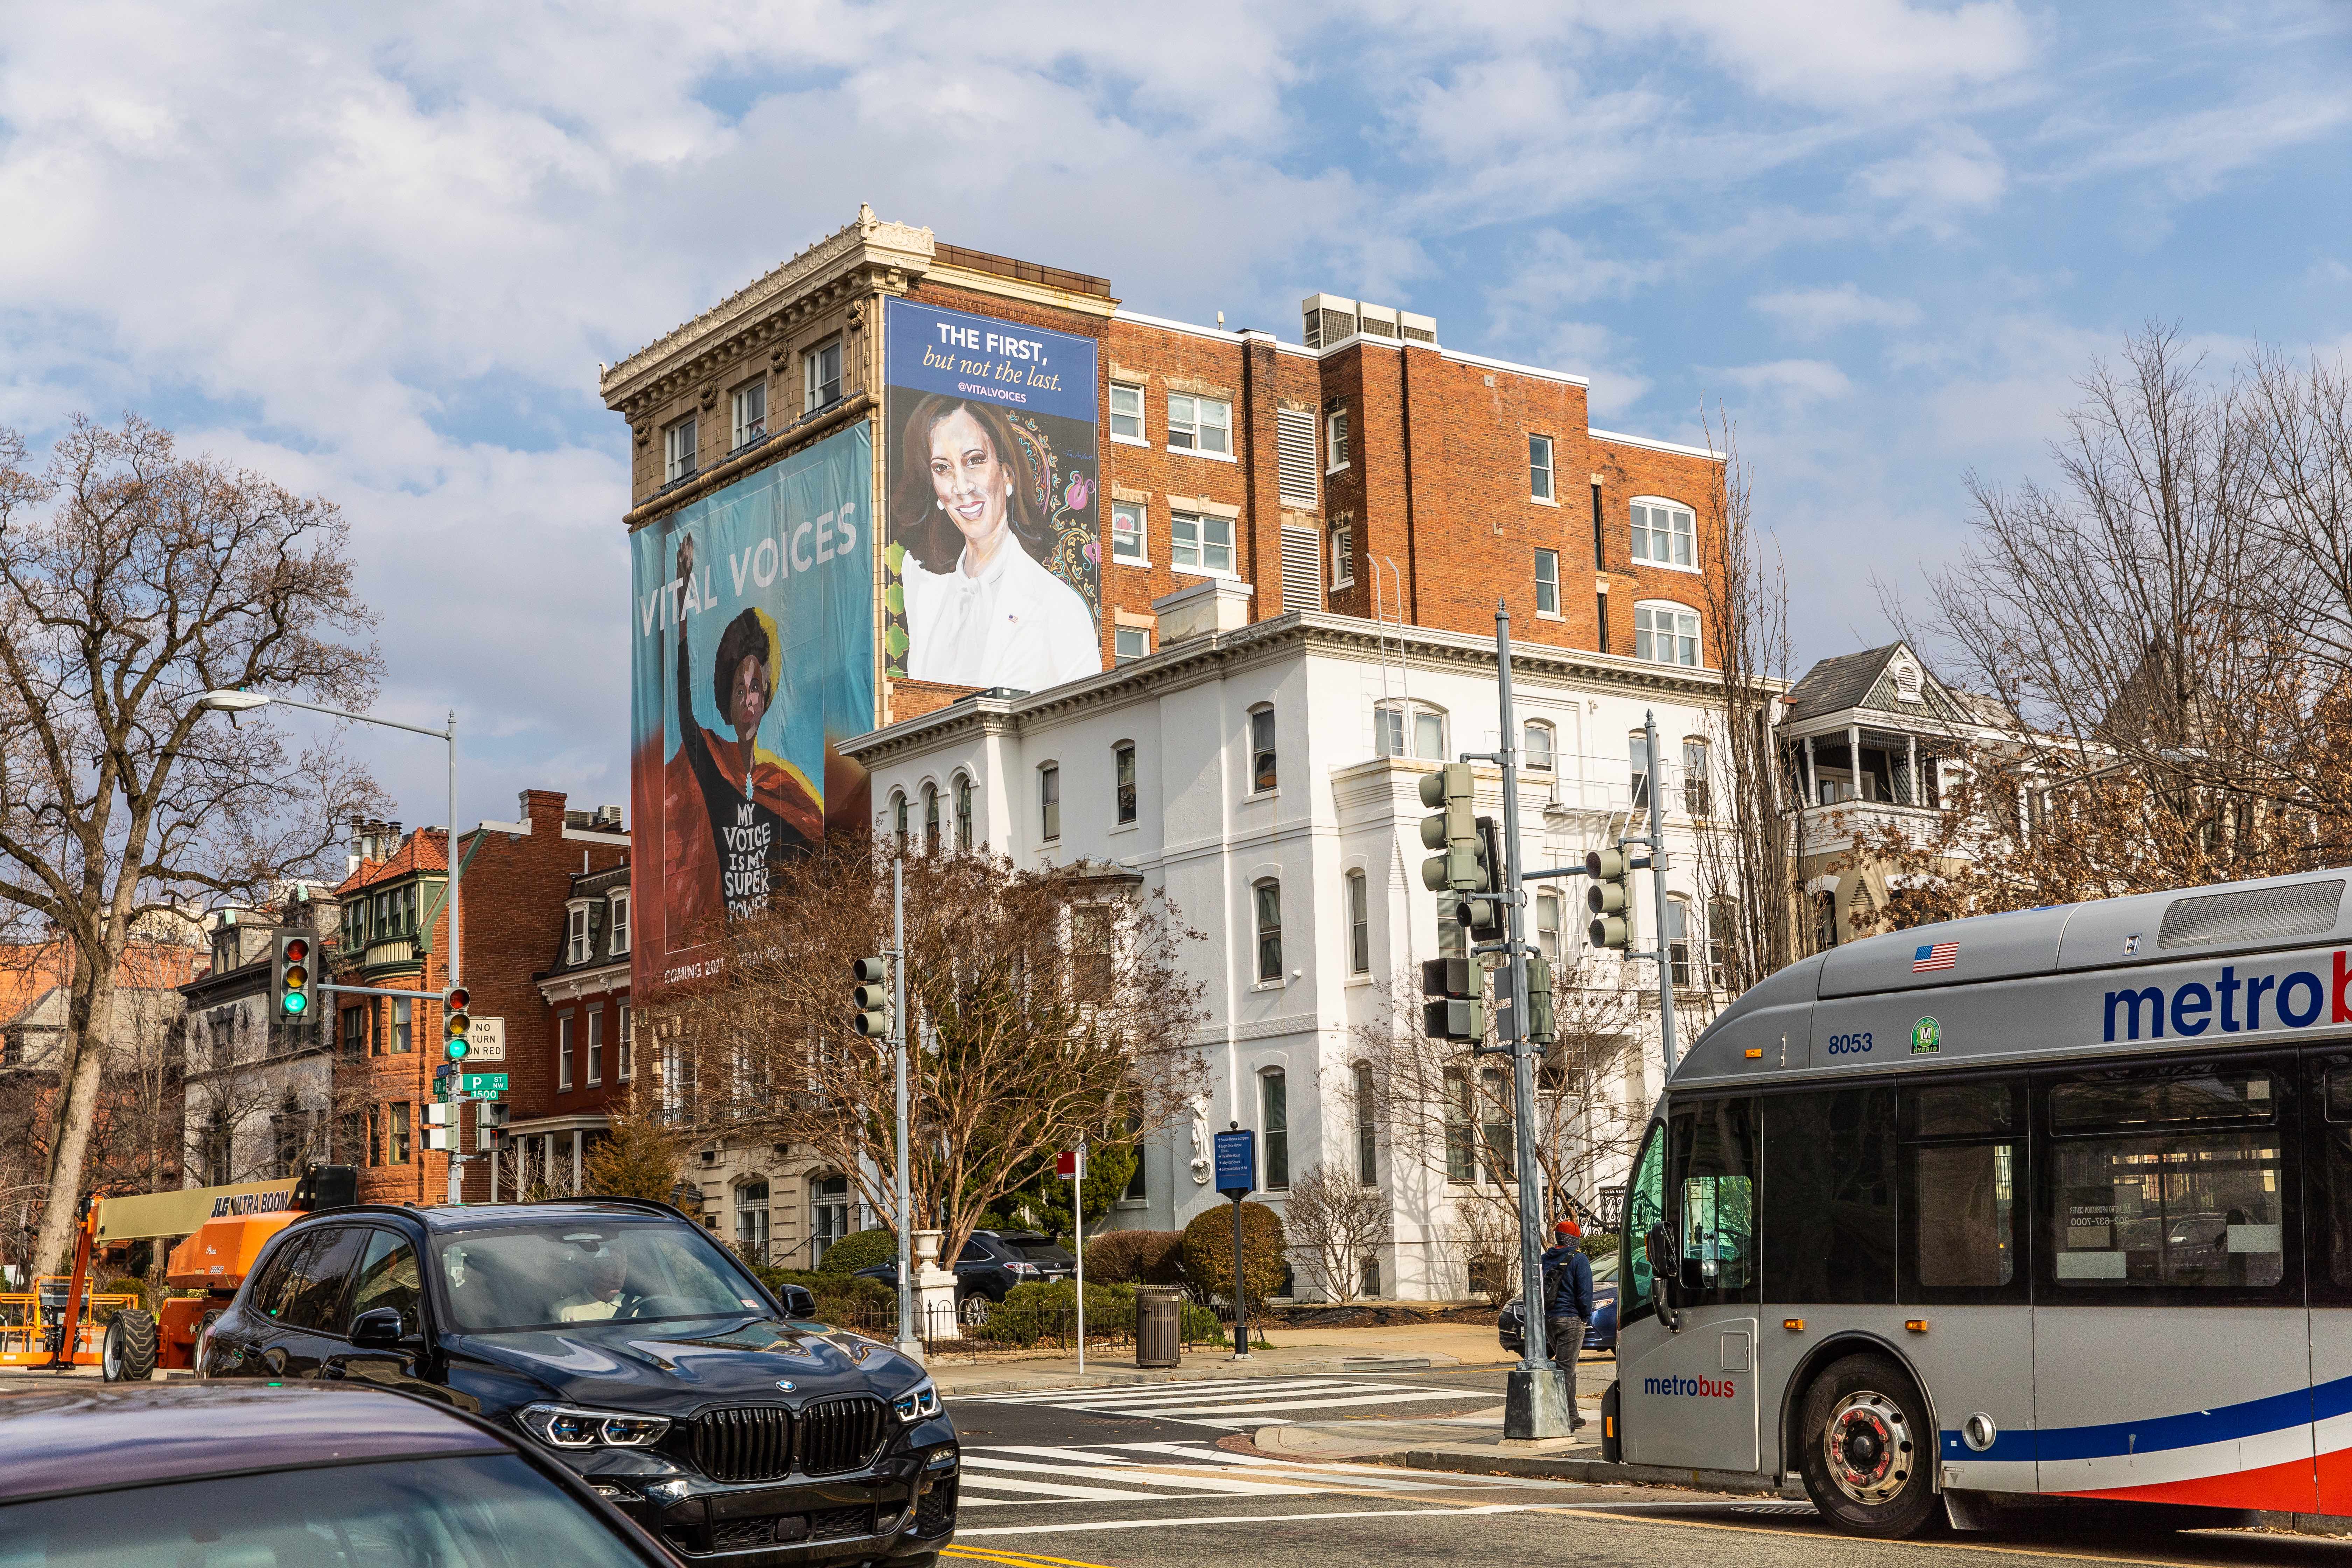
{"x": 1814, "y": 312}
{"x": 1791, "y": 380}
{"x": 1951, "y": 170}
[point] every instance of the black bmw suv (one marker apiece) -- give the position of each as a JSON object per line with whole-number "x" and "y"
{"x": 627, "y": 1342}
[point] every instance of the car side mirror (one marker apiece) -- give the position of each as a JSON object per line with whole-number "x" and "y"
{"x": 378, "y": 1328}
{"x": 799, "y": 1300}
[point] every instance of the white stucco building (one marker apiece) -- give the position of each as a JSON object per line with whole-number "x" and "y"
{"x": 1265, "y": 776}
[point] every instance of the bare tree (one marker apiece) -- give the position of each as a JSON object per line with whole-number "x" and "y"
{"x": 1747, "y": 847}
{"x": 1051, "y": 1005}
{"x": 1334, "y": 1222}
{"x": 131, "y": 580}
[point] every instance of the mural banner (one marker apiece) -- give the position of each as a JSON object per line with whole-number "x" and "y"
{"x": 994, "y": 558}
{"x": 751, "y": 655}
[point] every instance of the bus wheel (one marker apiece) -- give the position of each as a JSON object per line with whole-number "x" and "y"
{"x": 1867, "y": 1448}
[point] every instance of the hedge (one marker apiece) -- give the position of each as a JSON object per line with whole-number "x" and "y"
{"x": 839, "y": 1298}
{"x": 863, "y": 1250}
{"x": 1136, "y": 1257}
{"x": 1209, "y": 1253}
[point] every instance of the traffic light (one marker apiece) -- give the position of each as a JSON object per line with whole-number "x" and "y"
{"x": 1452, "y": 832}
{"x": 289, "y": 975}
{"x": 490, "y": 1119}
{"x": 1480, "y": 909}
{"x": 1540, "y": 1026}
{"x": 457, "y": 1022}
{"x": 872, "y": 997}
{"x": 1610, "y": 898}
{"x": 1454, "y": 1007}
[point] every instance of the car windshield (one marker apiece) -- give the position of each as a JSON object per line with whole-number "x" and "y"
{"x": 486, "y": 1511}
{"x": 596, "y": 1270}
{"x": 1604, "y": 1268}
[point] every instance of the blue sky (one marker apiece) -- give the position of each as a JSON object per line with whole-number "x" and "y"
{"x": 377, "y": 252}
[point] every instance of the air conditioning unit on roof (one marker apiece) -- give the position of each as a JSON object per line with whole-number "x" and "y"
{"x": 1328, "y": 319}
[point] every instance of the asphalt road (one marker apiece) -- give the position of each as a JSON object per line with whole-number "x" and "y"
{"x": 1161, "y": 1476}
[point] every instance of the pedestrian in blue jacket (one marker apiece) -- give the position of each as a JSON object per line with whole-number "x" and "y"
{"x": 1567, "y": 1304}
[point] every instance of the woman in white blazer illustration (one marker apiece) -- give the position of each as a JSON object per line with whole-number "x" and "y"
{"x": 981, "y": 610}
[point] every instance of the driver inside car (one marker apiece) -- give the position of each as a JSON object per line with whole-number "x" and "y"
{"x": 598, "y": 1294}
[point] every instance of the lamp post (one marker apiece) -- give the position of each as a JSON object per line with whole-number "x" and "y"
{"x": 233, "y": 703}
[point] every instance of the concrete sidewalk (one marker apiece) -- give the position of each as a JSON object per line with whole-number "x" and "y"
{"x": 1295, "y": 1352}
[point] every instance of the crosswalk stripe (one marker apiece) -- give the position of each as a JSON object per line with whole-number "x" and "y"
{"x": 1040, "y": 1489}
{"x": 1110, "y": 1473}
{"x": 1178, "y": 1467}
{"x": 1228, "y": 1408}
{"x": 1144, "y": 1393}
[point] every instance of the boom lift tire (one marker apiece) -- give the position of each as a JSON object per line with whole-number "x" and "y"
{"x": 130, "y": 1352}
{"x": 1868, "y": 1450}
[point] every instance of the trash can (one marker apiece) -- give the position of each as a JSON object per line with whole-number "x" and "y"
{"x": 1159, "y": 1325}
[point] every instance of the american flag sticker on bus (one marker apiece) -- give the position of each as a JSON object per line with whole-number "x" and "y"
{"x": 1940, "y": 955}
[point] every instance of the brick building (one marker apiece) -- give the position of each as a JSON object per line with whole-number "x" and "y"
{"x": 563, "y": 1097}
{"x": 395, "y": 932}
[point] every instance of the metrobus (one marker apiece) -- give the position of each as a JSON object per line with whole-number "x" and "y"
{"x": 2012, "y": 1210}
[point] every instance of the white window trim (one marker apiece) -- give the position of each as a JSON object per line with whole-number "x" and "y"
{"x": 1542, "y": 613}
{"x": 1694, "y": 569}
{"x": 1141, "y": 417}
{"x": 1229, "y": 573}
{"x": 1340, "y": 465}
{"x": 1144, "y": 558}
{"x": 1147, "y": 650}
{"x": 734, "y": 409}
{"x": 1132, "y": 441}
{"x": 1208, "y": 456}
{"x": 1552, "y": 468}
{"x": 1538, "y": 500}
{"x": 810, "y": 358}
{"x": 1674, "y": 604}
{"x": 617, "y": 919}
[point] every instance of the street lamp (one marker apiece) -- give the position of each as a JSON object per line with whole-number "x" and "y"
{"x": 233, "y": 703}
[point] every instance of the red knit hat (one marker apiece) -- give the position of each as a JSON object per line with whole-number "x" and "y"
{"x": 1568, "y": 1228}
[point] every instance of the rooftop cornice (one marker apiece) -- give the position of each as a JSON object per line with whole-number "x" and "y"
{"x": 869, "y": 240}
{"x": 1315, "y": 630}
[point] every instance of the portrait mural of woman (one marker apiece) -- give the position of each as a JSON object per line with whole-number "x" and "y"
{"x": 994, "y": 571}
{"x": 981, "y": 608}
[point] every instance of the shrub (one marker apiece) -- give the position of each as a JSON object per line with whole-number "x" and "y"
{"x": 1033, "y": 1312}
{"x": 863, "y": 1250}
{"x": 1209, "y": 1253}
{"x": 1598, "y": 1246}
{"x": 1136, "y": 1257}
{"x": 126, "y": 1285}
{"x": 841, "y": 1298}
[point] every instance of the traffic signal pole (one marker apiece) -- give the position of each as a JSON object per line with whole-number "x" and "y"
{"x": 909, "y": 1343}
{"x": 1535, "y": 1400}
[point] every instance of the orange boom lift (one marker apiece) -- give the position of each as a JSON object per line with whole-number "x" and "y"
{"x": 59, "y": 1324}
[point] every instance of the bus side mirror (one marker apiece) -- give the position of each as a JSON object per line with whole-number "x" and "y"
{"x": 1658, "y": 1250}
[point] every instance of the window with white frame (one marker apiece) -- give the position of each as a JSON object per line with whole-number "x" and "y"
{"x": 751, "y": 415}
{"x": 1343, "y": 553}
{"x": 1666, "y": 634}
{"x": 1128, "y": 540}
{"x": 1540, "y": 474}
{"x": 751, "y": 1218}
{"x": 1263, "y": 771}
{"x": 1201, "y": 543}
{"x": 1637, "y": 768}
{"x": 575, "y": 949}
{"x": 624, "y": 1047}
{"x": 620, "y": 902}
{"x": 1126, "y": 412}
{"x": 563, "y": 1053}
{"x": 1408, "y": 729}
{"x": 1547, "y": 912}
{"x": 1335, "y": 439}
{"x": 963, "y": 810}
{"x": 1049, "y": 802}
{"x": 1536, "y": 743}
{"x": 1267, "y": 900}
{"x": 403, "y": 1031}
{"x": 1665, "y": 534}
{"x": 1360, "y": 924}
{"x": 678, "y": 450}
{"x": 1122, "y": 774}
{"x": 1548, "y": 582}
{"x": 898, "y": 817}
{"x": 1200, "y": 425}
{"x": 1698, "y": 798}
{"x": 1129, "y": 644}
{"x": 931, "y": 819}
{"x": 1368, "y": 1157}
{"x": 822, "y": 368}
{"x": 595, "y": 1047}
{"x": 828, "y": 1213}
{"x": 1678, "y": 944}
{"x": 1273, "y": 1119}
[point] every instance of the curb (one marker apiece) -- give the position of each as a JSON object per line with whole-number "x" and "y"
{"x": 1594, "y": 1472}
{"x": 953, "y": 1387}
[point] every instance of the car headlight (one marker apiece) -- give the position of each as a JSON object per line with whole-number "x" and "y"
{"x": 563, "y": 1426}
{"x": 918, "y": 1403}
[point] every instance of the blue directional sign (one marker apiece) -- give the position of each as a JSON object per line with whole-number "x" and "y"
{"x": 1237, "y": 1164}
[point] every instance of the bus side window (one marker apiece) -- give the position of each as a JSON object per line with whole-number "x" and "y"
{"x": 1715, "y": 1198}
{"x": 1645, "y": 1205}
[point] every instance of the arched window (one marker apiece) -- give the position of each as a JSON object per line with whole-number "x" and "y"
{"x": 1665, "y": 534}
{"x": 931, "y": 819}
{"x": 963, "y": 810}
{"x": 1122, "y": 776}
{"x": 1666, "y": 634}
{"x": 1678, "y": 942}
{"x": 1266, "y": 896}
{"x": 898, "y": 817}
{"x": 1264, "y": 773}
{"x": 1536, "y": 741}
{"x": 1274, "y": 1126}
{"x": 1408, "y": 729}
{"x": 1698, "y": 796}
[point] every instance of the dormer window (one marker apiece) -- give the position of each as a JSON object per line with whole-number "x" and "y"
{"x": 620, "y": 924}
{"x": 1907, "y": 682}
{"x": 575, "y": 946}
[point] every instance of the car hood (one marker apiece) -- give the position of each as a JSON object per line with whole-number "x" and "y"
{"x": 683, "y": 1365}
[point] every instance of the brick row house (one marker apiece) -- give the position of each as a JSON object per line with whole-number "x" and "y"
{"x": 393, "y": 932}
{"x": 1309, "y": 536}
{"x": 589, "y": 1060}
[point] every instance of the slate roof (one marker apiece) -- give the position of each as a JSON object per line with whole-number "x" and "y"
{"x": 1865, "y": 682}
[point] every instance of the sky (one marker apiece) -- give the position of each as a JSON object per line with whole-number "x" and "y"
{"x": 377, "y": 252}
